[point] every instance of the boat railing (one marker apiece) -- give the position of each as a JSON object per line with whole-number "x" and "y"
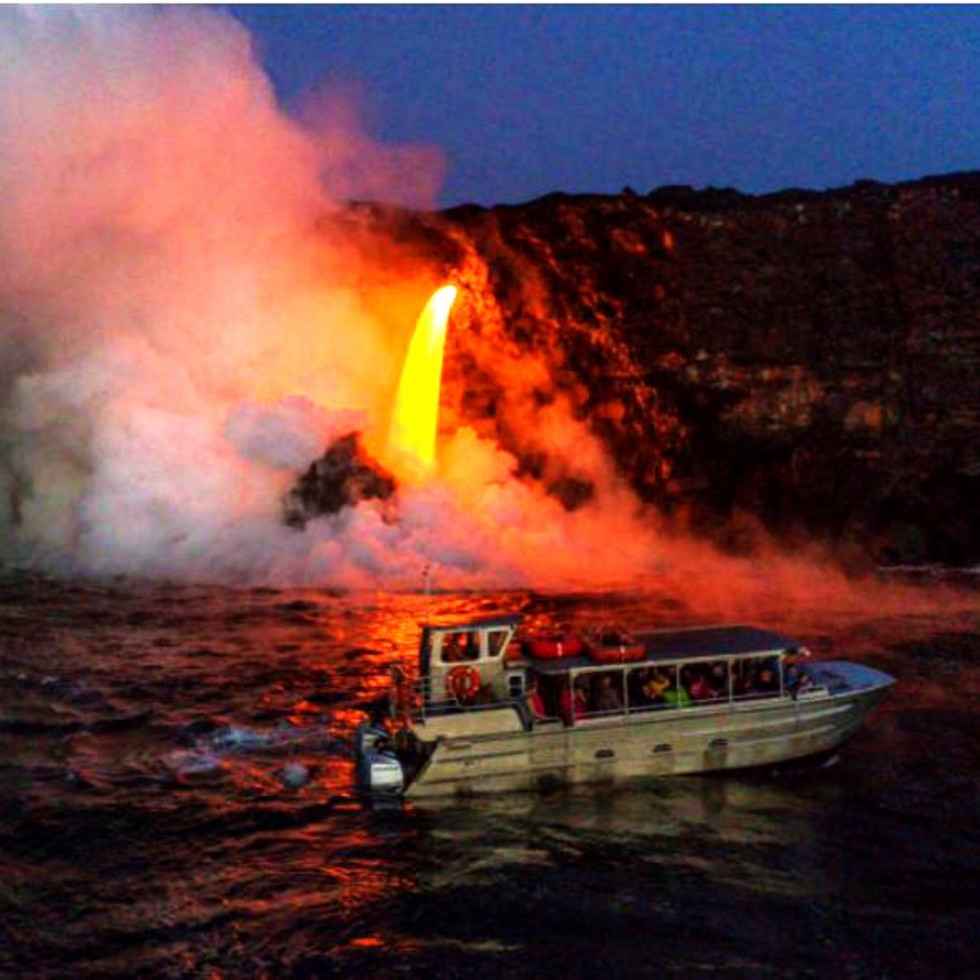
{"x": 678, "y": 705}
{"x": 635, "y": 710}
{"x": 415, "y": 700}
{"x": 757, "y": 696}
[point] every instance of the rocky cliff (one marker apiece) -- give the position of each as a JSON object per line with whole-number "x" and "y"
{"x": 801, "y": 362}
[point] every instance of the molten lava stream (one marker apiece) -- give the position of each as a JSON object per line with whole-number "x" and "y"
{"x": 415, "y": 420}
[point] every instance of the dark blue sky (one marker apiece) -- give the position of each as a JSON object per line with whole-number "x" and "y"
{"x": 527, "y": 100}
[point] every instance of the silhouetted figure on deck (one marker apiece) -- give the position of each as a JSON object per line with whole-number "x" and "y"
{"x": 654, "y": 685}
{"x": 574, "y": 705}
{"x": 608, "y": 698}
{"x": 535, "y": 702}
{"x": 700, "y": 687}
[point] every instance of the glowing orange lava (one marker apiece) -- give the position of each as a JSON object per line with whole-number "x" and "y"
{"x": 412, "y": 436}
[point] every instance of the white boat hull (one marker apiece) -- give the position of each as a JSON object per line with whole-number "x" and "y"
{"x": 697, "y": 739}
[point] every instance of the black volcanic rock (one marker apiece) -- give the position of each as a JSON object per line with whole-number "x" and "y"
{"x": 343, "y": 477}
{"x": 808, "y": 360}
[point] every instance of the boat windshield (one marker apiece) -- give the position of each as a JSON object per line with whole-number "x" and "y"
{"x": 460, "y": 647}
{"x": 496, "y": 640}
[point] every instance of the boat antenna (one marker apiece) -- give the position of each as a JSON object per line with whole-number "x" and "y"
{"x": 427, "y": 587}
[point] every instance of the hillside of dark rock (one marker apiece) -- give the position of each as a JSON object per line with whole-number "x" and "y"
{"x": 802, "y": 362}
{"x": 343, "y": 477}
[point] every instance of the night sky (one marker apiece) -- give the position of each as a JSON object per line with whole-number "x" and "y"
{"x": 527, "y": 100}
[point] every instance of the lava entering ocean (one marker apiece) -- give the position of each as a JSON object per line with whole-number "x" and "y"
{"x": 185, "y": 330}
{"x": 415, "y": 420}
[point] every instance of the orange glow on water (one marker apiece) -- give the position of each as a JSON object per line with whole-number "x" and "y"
{"x": 412, "y": 437}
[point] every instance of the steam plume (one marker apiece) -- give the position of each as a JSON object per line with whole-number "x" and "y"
{"x": 172, "y": 331}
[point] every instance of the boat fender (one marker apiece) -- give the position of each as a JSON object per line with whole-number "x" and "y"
{"x": 463, "y": 683}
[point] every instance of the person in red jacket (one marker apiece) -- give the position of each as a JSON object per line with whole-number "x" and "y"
{"x": 572, "y": 708}
{"x": 534, "y": 700}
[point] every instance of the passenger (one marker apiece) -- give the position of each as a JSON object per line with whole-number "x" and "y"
{"x": 654, "y": 686}
{"x": 676, "y": 696}
{"x": 767, "y": 679}
{"x": 743, "y": 682}
{"x": 608, "y": 698}
{"x": 635, "y": 680}
{"x": 535, "y": 702}
{"x": 565, "y": 705}
{"x": 452, "y": 649}
{"x": 700, "y": 689}
{"x": 718, "y": 678}
{"x": 570, "y": 708}
{"x": 797, "y": 679}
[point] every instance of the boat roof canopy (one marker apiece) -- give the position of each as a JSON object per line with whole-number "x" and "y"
{"x": 701, "y": 643}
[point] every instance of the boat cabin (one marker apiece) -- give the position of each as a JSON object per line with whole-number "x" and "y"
{"x": 470, "y": 662}
{"x": 482, "y": 665}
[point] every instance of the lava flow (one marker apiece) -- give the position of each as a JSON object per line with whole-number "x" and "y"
{"x": 412, "y": 436}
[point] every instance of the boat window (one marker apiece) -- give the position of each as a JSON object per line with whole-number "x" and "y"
{"x": 647, "y": 687}
{"x": 495, "y": 642}
{"x": 515, "y": 684}
{"x": 754, "y": 677}
{"x": 460, "y": 647}
{"x": 555, "y": 695}
{"x": 705, "y": 682}
{"x": 606, "y": 695}
{"x": 674, "y": 695}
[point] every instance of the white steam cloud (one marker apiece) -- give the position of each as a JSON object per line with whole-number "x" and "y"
{"x": 170, "y": 338}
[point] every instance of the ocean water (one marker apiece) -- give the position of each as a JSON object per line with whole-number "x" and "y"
{"x": 176, "y": 799}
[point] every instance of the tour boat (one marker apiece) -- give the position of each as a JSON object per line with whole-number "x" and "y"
{"x": 478, "y": 719}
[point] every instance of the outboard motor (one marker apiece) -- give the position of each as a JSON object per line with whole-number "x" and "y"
{"x": 378, "y": 767}
{"x": 369, "y": 737}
